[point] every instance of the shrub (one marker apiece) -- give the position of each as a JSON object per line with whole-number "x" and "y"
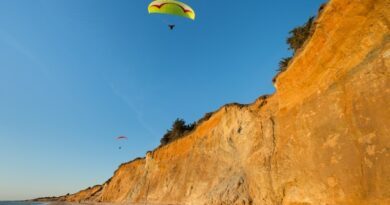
{"x": 299, "y": 35}
{"x": 178, "y": 130}
{"x": 284, "y": 63}
{"x": 297, "y": 38}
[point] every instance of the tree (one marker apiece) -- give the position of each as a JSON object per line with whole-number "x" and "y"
{"x": 178, "y": 130}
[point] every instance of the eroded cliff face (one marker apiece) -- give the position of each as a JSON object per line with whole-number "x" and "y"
{"x": 322, "y": 138}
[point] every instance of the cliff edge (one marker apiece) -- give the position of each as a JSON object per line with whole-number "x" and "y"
{"x": 322, "y": 138}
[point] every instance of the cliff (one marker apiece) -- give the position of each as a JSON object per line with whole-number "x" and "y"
{"x": 322, "y": 138}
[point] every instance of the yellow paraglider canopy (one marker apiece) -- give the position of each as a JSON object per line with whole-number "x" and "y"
{"x": 171, "y": 7}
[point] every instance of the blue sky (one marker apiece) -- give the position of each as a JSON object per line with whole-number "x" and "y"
{"x": 76, "y": 74}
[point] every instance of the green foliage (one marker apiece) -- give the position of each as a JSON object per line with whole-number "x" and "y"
{"x": 299, "y": 35}
{"x": 284, "y": 63}
{"x": 297, "y": 38}
{"x": 178, "y": 130}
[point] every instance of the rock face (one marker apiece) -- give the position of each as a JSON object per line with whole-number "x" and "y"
{"x": 322, "y": 138}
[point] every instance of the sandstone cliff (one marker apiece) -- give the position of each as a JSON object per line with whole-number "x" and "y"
{"x": 322, "y": 138}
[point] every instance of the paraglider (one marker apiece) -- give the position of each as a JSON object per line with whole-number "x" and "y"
{"x": 171, "y": 7}
{"x": 121, "y": 138}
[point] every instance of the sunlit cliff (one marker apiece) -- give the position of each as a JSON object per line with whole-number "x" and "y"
{"x": 322, "y": 138}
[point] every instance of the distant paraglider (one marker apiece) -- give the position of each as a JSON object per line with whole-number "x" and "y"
{"x": 171, "y": 7}
{"x": 120, "y": 138}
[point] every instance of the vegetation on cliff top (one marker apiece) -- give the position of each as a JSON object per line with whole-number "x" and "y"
{"x": 299, "y": 35}
{"x": 178, "y": 130}
{"x": 296, "y": 40}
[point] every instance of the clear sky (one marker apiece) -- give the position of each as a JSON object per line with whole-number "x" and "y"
{"x": 76, "y": 74}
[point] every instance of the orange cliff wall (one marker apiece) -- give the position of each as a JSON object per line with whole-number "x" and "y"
{"x": 322, "y": 138}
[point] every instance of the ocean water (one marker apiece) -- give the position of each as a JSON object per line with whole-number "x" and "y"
{"x": 21, "y": 203}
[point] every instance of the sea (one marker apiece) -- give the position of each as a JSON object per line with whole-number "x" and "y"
{"x": 21, "y": 203}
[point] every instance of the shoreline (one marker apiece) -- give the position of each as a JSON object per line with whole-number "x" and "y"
{"x": 100, "y": 203}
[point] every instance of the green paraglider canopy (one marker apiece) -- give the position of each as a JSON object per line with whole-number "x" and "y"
{"x": 171, "y": 7}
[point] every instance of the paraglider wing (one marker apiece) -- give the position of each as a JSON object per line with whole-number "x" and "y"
{"x": 171, "y": 7}
{"x": 121, "y": 138}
